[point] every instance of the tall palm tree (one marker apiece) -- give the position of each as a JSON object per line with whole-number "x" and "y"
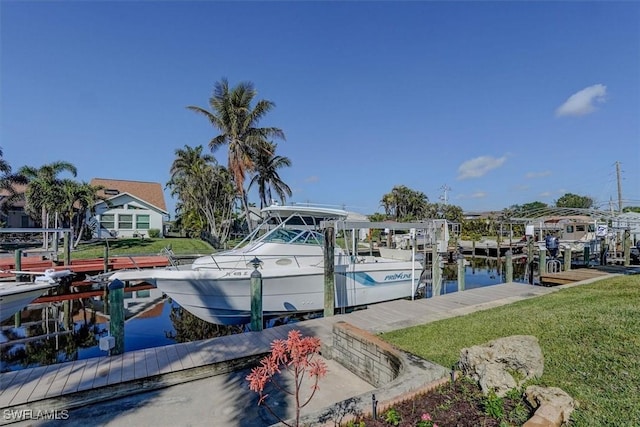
{"x": 8, "y": 181}
{"x": 76, "y": 200}
{"x": 44, "y": 189}
{"x": 266, "y": 174}
{"x": 237, "y": 121}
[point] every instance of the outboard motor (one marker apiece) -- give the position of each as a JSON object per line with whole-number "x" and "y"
{"x": 552, "y": 245}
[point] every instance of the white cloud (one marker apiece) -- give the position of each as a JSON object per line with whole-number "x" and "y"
{"x": 531, "y": 175}
{"x": 479, "y": 166}
{"x": 479, "y": 195}
{"x": 545, "y": 194}
{"x": 581, "y": 102}
{"x": 312, "y": 178}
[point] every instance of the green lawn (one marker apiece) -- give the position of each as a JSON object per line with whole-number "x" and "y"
{"x": 589, "y": 335}
{"x": 179, "y": 246}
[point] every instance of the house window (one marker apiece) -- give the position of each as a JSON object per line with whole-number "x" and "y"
{"x": 142, "y": 222}
{"x": 107, "y": 221}
{"x": 111, "y": 192}
{"x": 125, "y": 222}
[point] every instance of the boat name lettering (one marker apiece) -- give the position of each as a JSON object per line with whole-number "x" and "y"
{"x": 397, "y": 276}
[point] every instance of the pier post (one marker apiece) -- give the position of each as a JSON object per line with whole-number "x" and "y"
{"x": 436, "y": 283}
{"x": 508, "y": 261}
{"x": 567, "y": 258}
{"x": 105, "y": 300}
{"x": 627, "y": 247}
{"x": 329, "y": 272}
{"x": 461, "y": 272}
{"x": 586, "y": 255}
{"x": 18, "y": 264}
{"x": 530, "y": 258}
{"x": 256, "y": 296}
{"x": 116, "y": 322}
{"x": 604, "y": 248}
{"x": 542, "y": 260}
{"x": 106, "y": 258}
{"x": 17, "y": 319}
{"x": 66, "y": 308}
{"x": 67, "y": 248}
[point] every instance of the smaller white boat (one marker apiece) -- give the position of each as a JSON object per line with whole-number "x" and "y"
{"x": 14, "y": 296}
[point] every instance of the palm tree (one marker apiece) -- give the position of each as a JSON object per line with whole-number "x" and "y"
{"x": 78, "y": 199}
{"x": 204, "y": 188}
{"x": 266, "y": 174}
{"x": 44, "y": 189}
{"x": 233, "y": 116}
{"x": 8, "y": 181}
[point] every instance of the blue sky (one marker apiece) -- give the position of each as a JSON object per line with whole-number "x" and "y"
{"x": 503, "y": 102}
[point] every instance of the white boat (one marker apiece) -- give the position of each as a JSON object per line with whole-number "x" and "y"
{"x": 14, "y": 296}
{"x": 290, "y": 249}
{"x": 572, "y": 231}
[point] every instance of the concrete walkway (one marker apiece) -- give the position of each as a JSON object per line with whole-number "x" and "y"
{"x": 207, "y": 377}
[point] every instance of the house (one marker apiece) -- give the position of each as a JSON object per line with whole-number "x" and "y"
{"x": 15, "y": 215}
{"x": 130, "y": 208}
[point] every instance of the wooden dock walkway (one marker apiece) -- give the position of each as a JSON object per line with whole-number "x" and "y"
{"x": 65, "y": 385}
{"x": 571, "y": 276}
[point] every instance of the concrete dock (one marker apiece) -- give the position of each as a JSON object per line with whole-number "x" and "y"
{"x": 80, "y": 383}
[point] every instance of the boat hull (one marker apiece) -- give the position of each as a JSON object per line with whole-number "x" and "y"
{"x": 14, "y": 296}
{"x": 224, "y": 297}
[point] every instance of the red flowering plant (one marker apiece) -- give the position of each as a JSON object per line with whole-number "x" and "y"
{"x": 296, "y": 357}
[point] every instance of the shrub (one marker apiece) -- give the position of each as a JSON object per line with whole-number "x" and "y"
{"x": 154, "y": 233}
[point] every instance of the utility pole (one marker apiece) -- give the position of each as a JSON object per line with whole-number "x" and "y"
{"x": 445, "y": 188}
{"x": 619, "y": 186}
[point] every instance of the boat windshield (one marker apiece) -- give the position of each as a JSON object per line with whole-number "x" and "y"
{"x": 305, "y": 237}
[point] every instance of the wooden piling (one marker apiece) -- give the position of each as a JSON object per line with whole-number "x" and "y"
{"x": 67, "y": 248}
{"x": 106, "y": 258}
{"x": 586, "y": 255}
{"x": 116, "y": 311}
{"x": 329, "y": 272}
{"x": 256, "y": 298}
{"x": 436, "y": 283}
{"x": 530, "y": 258}
{"x": 542, "y": 261}
{"x": 18, "y": 263}
{"x": 17, "y": 319}
{"x": 461, "y": 272}
{"x": 627, "y": 247}
{"x": 567, "y": 258}
{"x": 508, "y": 261}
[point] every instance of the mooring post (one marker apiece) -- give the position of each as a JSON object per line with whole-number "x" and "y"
{"x": 329, "y": 272}
{"x": 256, "y": 296}
{"x": 66, "y": 307}
{"x": 627, "y": 247}
{"x": 542, "y": 260}
{"x": 530, "y": 258}
{"x": 435, "y": 271}
{"x": 105, "y": 300}
{"x": 586, "y": 255}
{"x": 461, "y": 272}
{"x": 508, "y": 261}
{"x": 604, "y": 248}
{"x": 17, "y": 263}
{"x": 567, "y": 258}
{"x": 106, "y": 258}
{"x": 67, "y": 248}
{"x": 116, "y": 311}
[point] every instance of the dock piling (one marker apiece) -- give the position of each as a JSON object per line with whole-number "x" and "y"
{"x": 329, "y": 272}
{"x": 627, "y": 247}
{"x": 542, "y": 260}
{"x": 257, "y": 323}
{"x": 116, "y": 311}
{"x": 106, "y": 258}
{"x": 461, "y": 272}
{"x": 567, "y": 258}
{"x": 508, "y": 261}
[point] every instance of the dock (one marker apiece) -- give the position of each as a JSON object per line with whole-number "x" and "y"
{"x": 83, "y": 382}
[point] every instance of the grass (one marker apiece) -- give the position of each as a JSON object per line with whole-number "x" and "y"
{"x": 589, "y": 335}
{"x": 135, "y": 246}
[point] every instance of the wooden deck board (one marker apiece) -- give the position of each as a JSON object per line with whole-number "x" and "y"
{"x": 46, "y": 378}
{"x": 88, "y": 374}
{"x": 60, "y": 380}
{"x": 29, "y": 384}
{"x": 139, "y": 364}
{"x": 75, "y": 376}
{"x": 115, "y": 369}
{"x": 128, "y": 367}
{"x": 151, "y": 361}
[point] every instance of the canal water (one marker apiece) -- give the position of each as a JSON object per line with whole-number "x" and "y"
{"x": 47, "y": 337}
